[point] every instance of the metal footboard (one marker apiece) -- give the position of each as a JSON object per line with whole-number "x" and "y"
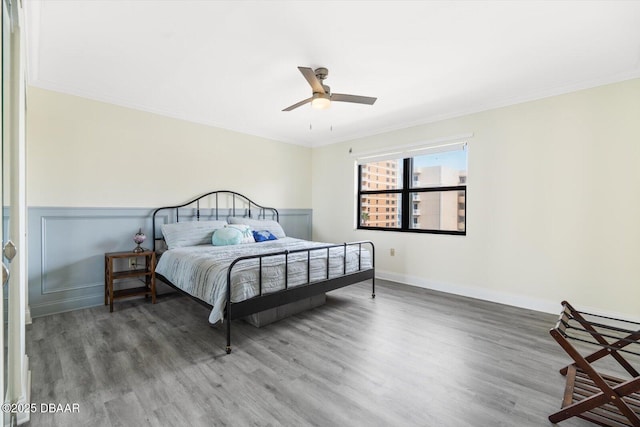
{"x": 265, "y": 301}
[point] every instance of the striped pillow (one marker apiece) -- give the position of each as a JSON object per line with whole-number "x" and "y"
{"x": 190, "y": 233}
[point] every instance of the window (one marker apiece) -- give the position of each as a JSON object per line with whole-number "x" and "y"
{"x": 430, "y": 192}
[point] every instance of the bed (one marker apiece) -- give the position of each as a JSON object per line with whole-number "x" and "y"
{"x": 222, "y": 243}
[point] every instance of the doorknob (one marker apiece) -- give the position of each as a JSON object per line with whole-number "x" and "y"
{"x": 5, "y": 274}
{"x": 9, "y": 250}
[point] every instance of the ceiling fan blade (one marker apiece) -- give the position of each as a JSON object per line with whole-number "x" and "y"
{"x": 299, "y": 104}
{"x": 310, "y": 75}
{"x": 341, "y": 97}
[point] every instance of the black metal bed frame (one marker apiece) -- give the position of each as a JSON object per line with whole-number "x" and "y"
{"x": 261, "y": 302}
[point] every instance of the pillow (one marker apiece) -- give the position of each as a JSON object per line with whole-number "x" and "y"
{"x": 190, "y": 233}
{"x": 226, "y": 236}
{"x": 263, "y": 236}
{"x": 245, "y": 230}
{"x": 260, "y": 224}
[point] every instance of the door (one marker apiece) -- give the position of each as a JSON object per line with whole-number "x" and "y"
{"x": 4, "y": 291}
{"x": 14, "y": 378}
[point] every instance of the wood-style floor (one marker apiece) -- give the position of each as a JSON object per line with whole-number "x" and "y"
{"x": 409, "y": 357}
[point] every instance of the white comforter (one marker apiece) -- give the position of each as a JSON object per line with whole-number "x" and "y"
{"x": 201, "y": 271}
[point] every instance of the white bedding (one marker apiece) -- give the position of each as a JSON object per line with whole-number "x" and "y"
{"x": 201, "y": 271}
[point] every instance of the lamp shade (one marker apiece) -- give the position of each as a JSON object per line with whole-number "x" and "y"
{"x": 320, "y": 101}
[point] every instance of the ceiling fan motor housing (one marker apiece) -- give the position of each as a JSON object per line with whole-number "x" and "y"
{"x": 321, "y": 73}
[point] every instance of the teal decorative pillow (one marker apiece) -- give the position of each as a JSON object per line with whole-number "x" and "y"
{"x": 226, "y": 236}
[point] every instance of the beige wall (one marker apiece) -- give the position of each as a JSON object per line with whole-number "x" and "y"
{"x": 83, "y": 153}
{"x": 553, "y": 200}
{"x": 553, "y": 204}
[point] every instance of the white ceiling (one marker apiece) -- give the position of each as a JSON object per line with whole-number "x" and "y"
{"x": 233, "y": 64}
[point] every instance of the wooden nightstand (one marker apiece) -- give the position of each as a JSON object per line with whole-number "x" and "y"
{"x": 147, "y": 272}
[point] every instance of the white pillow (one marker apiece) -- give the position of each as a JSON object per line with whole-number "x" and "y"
{"x": 260, "y": 224}
{"x": 190, "y": 233}
{"x": 247, "y": 233}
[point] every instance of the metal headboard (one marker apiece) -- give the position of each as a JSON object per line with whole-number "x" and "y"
{"x": 238, "y": 202}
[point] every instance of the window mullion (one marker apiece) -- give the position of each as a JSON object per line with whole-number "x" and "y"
{"x": 406, "y": 200}
{"x": 359, "y": 211}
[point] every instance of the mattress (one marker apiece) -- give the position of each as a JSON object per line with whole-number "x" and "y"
{"x": 201, "y": 271}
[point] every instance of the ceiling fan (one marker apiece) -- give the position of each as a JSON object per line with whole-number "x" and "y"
{"x": 322, "y": 95}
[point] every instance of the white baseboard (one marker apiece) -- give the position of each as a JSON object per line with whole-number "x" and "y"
{"x": 521, "y": 301}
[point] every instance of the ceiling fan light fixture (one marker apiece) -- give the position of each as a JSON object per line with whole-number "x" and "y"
{"x": 320, "y": 101}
